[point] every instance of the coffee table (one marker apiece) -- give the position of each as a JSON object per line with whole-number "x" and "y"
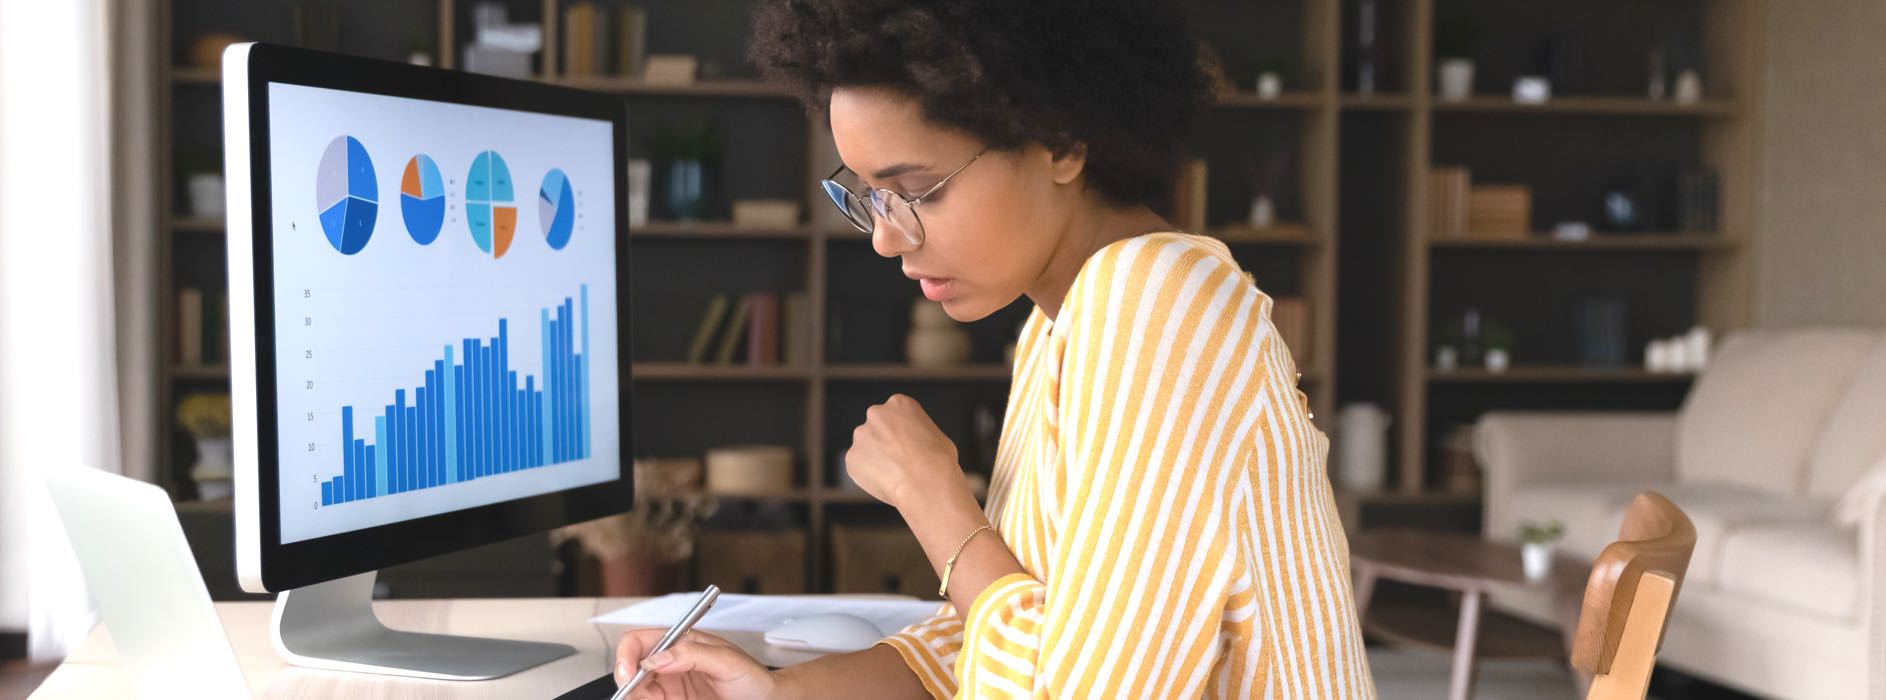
{"x": 1474, "y": 568}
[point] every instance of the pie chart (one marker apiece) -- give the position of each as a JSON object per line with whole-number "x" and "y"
{"x": 490, "y": 205}
{"x": 347, "y": 195}
{"x": 556, "y": 208}
{"x": 422, "y": 199}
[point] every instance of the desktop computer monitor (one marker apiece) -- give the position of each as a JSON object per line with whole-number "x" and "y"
{"x": 428, "y": 311}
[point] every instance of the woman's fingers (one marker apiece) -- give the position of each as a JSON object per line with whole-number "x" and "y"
{"x": 636, "y": 644}
{"x": 716, "y": 661}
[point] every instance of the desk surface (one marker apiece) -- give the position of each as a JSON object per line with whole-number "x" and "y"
{"x": 94, "y": 669}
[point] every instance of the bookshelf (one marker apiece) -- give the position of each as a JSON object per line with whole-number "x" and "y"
{"x": 1350, "y": 236}
{"x": 1560, "y": 149}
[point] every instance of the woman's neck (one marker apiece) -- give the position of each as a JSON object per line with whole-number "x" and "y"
{"x": 1085, "y": 234}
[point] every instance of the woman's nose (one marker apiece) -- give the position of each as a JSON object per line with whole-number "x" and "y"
{"x": 887, "y": 240}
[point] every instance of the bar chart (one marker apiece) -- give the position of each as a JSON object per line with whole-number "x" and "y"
{"x": 474, "y": 415}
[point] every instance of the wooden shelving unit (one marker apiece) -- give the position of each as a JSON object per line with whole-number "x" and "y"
{"x": 1302, "y": 257}
{"x": 1704, "y": 275}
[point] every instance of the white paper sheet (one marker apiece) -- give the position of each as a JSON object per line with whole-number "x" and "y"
{"x": 762, "y": 613}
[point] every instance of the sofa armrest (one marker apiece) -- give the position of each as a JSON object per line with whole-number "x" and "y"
{"x": 1518, "y": 448}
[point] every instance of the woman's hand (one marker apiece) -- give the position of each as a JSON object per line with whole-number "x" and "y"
{"x": 699, "y": 667}
{"x": 899, "y": 452}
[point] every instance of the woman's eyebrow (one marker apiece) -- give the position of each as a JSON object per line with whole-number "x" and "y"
{"x": 896, "y": 170}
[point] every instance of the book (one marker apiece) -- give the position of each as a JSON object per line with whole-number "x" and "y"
{"x": 1447, "y": 201}
{"x": 579, "y": 39}
{"x": 795, "y": 321}
{"x": 190, "y": 327}
{"x": 736, "y": 329}
{"x": 762, "y": 329}
{"x": 632, "y": 44}
{"x": 704, "y": 333}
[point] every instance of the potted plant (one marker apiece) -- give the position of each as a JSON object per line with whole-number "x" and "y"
{"x": 641, "y": 552}
{"x": 206, "y": 418}
{"x": 1499, "y": 347}
{"x": 1535, "y": 546}
{"x": 1453, "y": 46}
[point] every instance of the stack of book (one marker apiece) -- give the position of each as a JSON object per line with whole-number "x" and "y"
{"x": 749, "y": 329}
{"x": 1447, "y": 201}
{"x": 1458, "y": 208}
{"x": 202, "y": 328}
{"x": 604, "y": 40}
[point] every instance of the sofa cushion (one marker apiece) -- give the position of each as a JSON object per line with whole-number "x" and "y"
{"x": 1813, "y": 567}
{"x": 1756, "y": 413}
{"x": 1719, "y": 511}
{"x": 1855, "y": 437}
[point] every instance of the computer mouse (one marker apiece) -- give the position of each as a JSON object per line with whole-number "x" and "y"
{"x": 825, "y": 632}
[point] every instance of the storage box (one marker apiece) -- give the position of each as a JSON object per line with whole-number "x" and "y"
{"x": 1500, "y": 211}
{"x": 880, "y": 560}
{"x": 1448, "y": 188}
{"x": 749, "y": 469}
{"x": 741, "y": 561}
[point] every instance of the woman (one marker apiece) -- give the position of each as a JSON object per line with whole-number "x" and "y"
{"x": 1158, "y": 522}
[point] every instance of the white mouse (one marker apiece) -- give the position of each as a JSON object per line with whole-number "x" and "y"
{"x": 825, "y": 632}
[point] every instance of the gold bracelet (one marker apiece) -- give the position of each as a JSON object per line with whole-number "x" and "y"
{"x": 943, "y": 591}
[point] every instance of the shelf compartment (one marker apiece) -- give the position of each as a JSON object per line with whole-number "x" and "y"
{"x": 898, "y": 372}
{"x": 684, "y": 371}
{"x": 741, "y": 88}
{"x": 1594, "y": 106}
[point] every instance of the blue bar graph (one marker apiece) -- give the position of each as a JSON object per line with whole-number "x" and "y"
{"x": 472, "y": 415}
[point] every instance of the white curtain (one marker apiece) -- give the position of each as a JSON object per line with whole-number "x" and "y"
{"x": 66, "y": 200}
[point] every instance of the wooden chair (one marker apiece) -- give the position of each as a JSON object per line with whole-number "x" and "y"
{"x": 1633, "y": 586}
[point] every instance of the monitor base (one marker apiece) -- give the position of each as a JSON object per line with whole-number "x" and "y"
{"x": 332, "y": 626}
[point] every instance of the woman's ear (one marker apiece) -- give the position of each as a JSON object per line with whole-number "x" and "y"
{"x": 1068, "y": 163}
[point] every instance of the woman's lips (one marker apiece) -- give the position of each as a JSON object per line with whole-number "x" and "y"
{"x": 936, "y": 289}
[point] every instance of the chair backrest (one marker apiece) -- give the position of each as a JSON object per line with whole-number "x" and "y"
{"x": 1628, "y": 598}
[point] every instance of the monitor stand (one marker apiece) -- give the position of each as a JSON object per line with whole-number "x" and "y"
{"x": 331, "y": 625}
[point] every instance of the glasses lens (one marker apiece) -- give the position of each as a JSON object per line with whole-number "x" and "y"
{"x": 897, "y": 212}
{"x": 849, "y": 204}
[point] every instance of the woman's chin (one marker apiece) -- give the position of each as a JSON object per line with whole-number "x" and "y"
{"x": 965, "y": 309}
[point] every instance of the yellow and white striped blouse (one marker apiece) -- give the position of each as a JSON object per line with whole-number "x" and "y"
{"x": 1160, "y": 481}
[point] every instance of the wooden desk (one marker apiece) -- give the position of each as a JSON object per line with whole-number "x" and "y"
{"x": 94, "y": 669}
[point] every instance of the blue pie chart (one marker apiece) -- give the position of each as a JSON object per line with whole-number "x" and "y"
{"x": 422, "y": 199}
{"x": 556, "y": 209}
{"x": 347, "y": 195}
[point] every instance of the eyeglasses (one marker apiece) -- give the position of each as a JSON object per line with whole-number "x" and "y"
{"x": 898, "y": 211}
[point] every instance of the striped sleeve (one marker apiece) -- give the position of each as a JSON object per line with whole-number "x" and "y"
{"x": 1162, "y": 339}
{"x": 930, "y": 648}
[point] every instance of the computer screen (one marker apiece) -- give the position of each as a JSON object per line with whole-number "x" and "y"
{"x": 428, "y": 310}
{"x": 445, "y": 314}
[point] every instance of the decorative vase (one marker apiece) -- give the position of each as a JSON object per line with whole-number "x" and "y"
{"x": 638, "y": 575}
{"x": 935, "y": 339}
{"x": 1263, "y": 212}
{"x": 1535, "y": 559}
{"x": 1269, "y": 86}
{"x": 690, "y": 189}
{"x": 215, "y": 460}
{"x": 206, "y": 194}
{"x": 1456, "y": 79}
{"x": 1362, "y": 446}
{"x": 1498, "y": 360}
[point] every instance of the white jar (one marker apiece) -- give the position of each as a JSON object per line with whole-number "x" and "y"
{"x": 1456, "y": 79}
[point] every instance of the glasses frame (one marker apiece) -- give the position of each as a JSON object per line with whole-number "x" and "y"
{"x": 877, "y": 200}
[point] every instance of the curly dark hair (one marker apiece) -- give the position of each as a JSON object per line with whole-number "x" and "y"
{"x": 1123, "y": 78}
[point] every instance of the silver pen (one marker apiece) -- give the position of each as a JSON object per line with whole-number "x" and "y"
{"x": 680, "y": 627}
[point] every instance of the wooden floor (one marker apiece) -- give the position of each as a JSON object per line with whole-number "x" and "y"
{"x": 18, "y": 678}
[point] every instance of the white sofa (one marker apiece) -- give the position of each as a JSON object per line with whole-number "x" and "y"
{"x": 1782, "y": 598}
